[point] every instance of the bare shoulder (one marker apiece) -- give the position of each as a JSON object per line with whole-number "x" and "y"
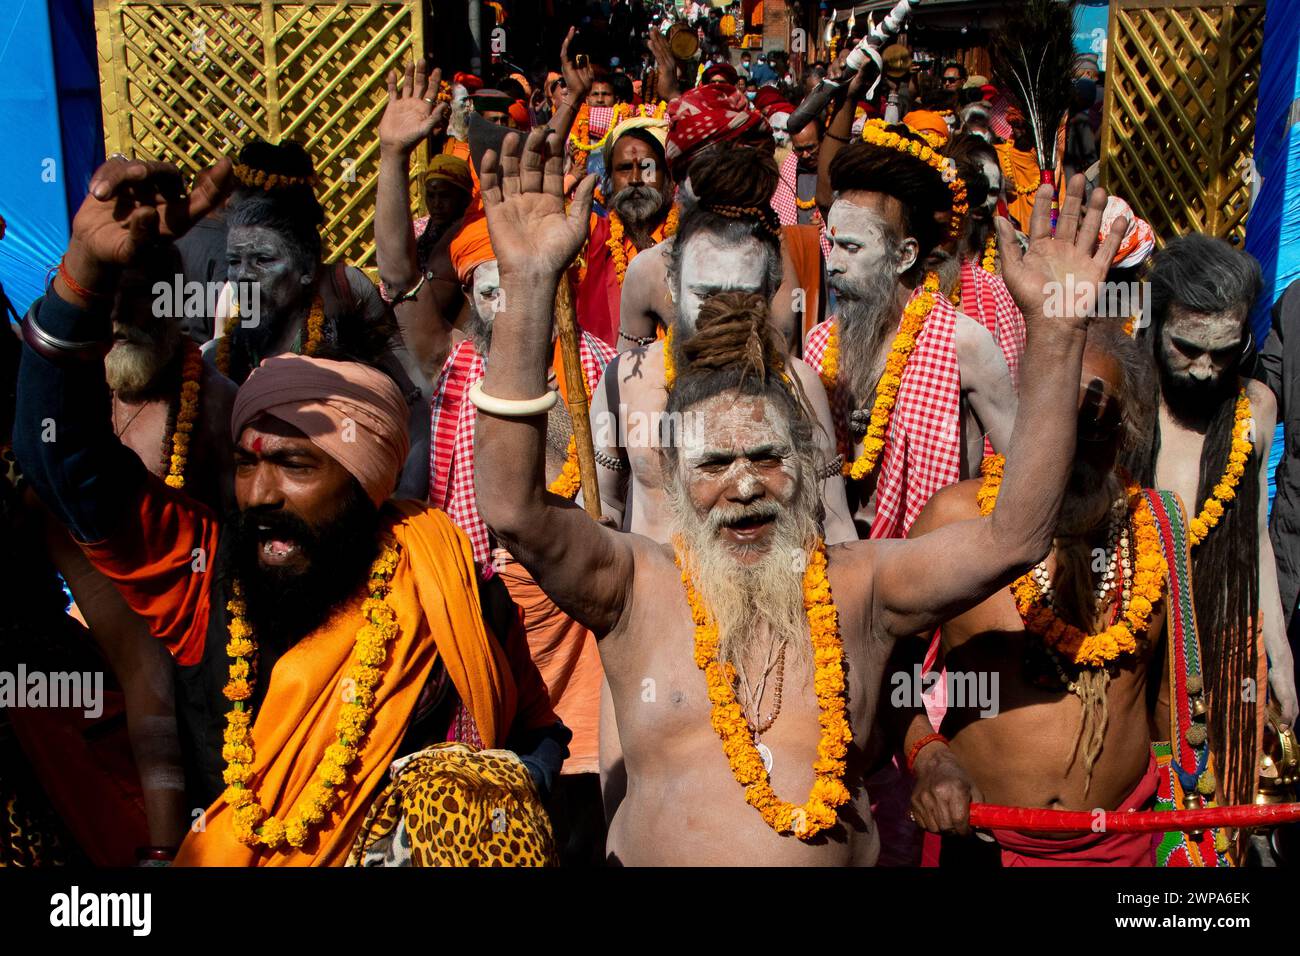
{"x": 977, "y": 349}
{"x": 1263, "y": 408}
{"x": 643, "y": 366}
{"x": 650, "y": 266}
{"x": 948, "y": 505}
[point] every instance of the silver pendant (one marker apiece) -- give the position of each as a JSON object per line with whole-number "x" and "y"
{"x": 766, "y": 755}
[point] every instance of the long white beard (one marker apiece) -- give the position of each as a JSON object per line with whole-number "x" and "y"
{"x": 760, "y": 605}
{"x": 132, "y": 366}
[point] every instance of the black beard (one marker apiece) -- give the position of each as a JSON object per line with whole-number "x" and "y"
{"x": 1190, "y": 400}
{"x": 284, "y": 605}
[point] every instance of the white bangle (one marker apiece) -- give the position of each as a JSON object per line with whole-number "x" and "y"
{"x": 511, "y": 407}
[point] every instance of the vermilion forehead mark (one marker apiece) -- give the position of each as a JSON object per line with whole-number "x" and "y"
{"x": 257, "y": 444}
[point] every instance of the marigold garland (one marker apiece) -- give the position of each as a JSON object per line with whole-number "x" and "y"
{"x": 909, "y": 329}
{"x": 990, "y": 261}
{"x": 315, "y": 333}
{"x": 250, "y": 176}
{"x": 617, "y": 244}
{"x": 877, "y": 133}
{"x": 1225, "y": 489}
{"x": 1068, "y": 641}
{"x": 187, "y": 413}
{"x": 251, "y": 824}
{"x": 670, "y": 367}
{"x": 729, "y": 721}
{"x": 568, "y": 482}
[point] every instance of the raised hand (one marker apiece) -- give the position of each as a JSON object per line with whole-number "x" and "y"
{"x": 523, "y": 195}
{"x": 412, "y": 112}
{"x": 577, "y": 79}
{"x": 133, "y": 204}
{"x": 1058, "y": 277}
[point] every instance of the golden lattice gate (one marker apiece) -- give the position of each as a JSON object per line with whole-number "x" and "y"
{"x": 192, "y": 80}
{"x": 1182, "y": 82}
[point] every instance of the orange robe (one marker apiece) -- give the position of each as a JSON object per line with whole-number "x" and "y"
{"x": 434, "y": 592}
{"x": 1020, "y": 169}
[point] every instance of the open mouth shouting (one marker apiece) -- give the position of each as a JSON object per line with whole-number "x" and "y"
{"x": 749, "y": 527}
{"x": 276, "y": 551}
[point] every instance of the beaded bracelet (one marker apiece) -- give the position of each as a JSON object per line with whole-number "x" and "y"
{"x": 921, "y": 745}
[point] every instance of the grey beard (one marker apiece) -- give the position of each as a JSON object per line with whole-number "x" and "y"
{"x": 867, "y": 315}
{"x": 132, "y": 368}
{"x": 636, "y": 205}
{"x": 751, "y": 602}
{"x": 479, "y": 330}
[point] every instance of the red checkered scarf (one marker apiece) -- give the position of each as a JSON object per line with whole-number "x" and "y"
{"x": 598, "y": 121}
{"x": 923, "y": 447}
{"x": 716, "y": 112}
{"x": 786, "y": 195}
{"x": 451, "y": 449}
{"x": 986, "y": 298}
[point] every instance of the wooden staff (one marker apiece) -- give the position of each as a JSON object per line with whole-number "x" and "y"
{"x": 575, "y": 382}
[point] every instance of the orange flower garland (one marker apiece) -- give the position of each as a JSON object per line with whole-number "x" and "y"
{"x": 729, "y": 722}
{"x": 1089, "y": 650}
{"x": 1225, "y": 489}
{"x": 877, "y": 133}
{"x": 914, "y": 316}
{"x": 315, "y": 334}
{"x": 618, "y": 247}
{"x": 568, "y": 482}
{"x": 670, "y": 368}
{"x": 252, "y": 825}
{"x": 990, "y": 263}
{"x": 186, "y": 414}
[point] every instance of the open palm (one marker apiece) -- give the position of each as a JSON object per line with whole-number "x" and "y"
{"x": 523, "y": 195}
{"x": 411, "y": 114}
{"x": 1058, "y": 276}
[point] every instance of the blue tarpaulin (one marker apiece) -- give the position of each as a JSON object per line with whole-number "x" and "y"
{"x": 50, "y": 134}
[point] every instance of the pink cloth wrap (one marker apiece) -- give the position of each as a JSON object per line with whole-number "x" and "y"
{"x": 319, "y": 397}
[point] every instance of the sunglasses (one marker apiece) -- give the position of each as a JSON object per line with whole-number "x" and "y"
{"x": 806, "y": 148}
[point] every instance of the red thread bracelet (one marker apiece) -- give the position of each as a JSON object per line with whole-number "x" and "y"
{"x": 75, "y": 286}
{"x": 921, "y": 745}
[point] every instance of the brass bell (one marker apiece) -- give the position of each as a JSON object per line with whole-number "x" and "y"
{"x": 1198, "y": 707}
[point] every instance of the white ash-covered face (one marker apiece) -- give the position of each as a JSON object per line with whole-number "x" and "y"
{"x": 1199, "y": 347}
{"x": 258, "y": 256}
{"x": 863, "y": 230}
{"x": 739, "y": 470}
{"x": 993, "y": 173}
{"x": 485, "y": 291}
{"x": 710, "y": 266}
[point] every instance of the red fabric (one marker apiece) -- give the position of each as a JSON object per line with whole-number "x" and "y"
{"x": 152, "y": 562}
{"x": 787, "y": 192}
{"x": 599, "y": 293}
{"x": 703, "y": 115}
{"x": 451, "y": 446}
{"x": 986, "y": 298}
{"x": 1090, "y": 849}
{"x": 923, "y": 445}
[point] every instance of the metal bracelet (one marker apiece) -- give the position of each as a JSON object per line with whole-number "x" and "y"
{"x": 53, "y": 348}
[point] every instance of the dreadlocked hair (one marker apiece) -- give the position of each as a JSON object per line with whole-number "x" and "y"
{"x": 732, "y": 190}
{"x": 735, "y": 350}
{"x": 865, "y": 167}
{"x": 1225, "y": 571}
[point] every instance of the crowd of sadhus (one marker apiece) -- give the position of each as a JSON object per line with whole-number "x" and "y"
{"x": 888, "y": 508}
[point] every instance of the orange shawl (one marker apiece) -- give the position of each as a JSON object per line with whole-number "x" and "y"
{"x": 1020, "y": 168}
{"x": 435, "y": 594}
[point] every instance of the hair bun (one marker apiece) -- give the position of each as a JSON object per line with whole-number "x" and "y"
{"x": 733, "y": 331}
{"x": 735, "y": 176}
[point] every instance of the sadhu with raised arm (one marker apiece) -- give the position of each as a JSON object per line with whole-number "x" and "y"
{"x": 694, "y": 634}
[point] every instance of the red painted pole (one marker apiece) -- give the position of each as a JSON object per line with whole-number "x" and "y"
{"x": 991, "y": 816}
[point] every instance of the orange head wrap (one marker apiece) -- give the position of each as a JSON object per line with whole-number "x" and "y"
{"x": 929, "y": 124}
{"x": 471, "y": 248}
{"x": 352, "y": 412}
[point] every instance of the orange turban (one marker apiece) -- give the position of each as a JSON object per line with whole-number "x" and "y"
{"x": 450, "y": 169}
{"x": 927, "y": 122}
{"x": 471, "y": 248}
{"x": 352, "y": 412}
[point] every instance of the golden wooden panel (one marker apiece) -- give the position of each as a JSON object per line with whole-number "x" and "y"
{"x": 1182, "y": 85}
{"x": 191, "y": 80}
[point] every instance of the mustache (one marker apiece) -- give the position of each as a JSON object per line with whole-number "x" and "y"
{"x": 720, "y": 518}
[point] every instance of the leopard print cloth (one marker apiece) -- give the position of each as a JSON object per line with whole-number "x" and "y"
{"x": 454, "y": 805}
